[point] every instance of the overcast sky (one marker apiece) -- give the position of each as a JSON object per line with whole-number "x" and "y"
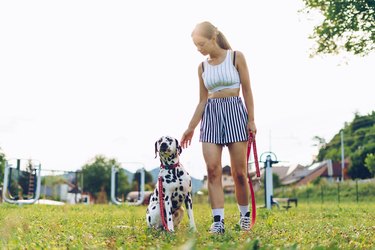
{"x": 81, "y": 78}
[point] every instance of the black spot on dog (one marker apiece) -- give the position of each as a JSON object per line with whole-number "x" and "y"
{"x": 180, "y": 173}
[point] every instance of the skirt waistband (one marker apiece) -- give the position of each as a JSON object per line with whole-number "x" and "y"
{"x": 224, "y": 99}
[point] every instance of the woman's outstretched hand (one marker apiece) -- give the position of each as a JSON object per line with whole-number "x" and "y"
{"x": 186, "y": 138}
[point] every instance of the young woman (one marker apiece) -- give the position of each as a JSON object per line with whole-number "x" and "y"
{"x": 225, "y": 119}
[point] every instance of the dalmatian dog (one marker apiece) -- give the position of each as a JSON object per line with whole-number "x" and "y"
{"x": 176, "y": 188}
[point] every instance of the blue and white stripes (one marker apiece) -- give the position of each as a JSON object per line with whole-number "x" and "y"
{"x": 224, "y": 121}
{"x": 221, "y": 76}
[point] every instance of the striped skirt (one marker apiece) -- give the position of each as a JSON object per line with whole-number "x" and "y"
{"x": 224, "y": 121}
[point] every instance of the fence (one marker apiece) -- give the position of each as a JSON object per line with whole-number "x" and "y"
{"x": 325, "y": 191}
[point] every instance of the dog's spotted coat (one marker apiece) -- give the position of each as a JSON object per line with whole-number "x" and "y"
{"x": 176, "y": 187}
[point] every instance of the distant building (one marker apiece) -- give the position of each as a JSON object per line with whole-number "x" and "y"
{"x": 299, "y": 175}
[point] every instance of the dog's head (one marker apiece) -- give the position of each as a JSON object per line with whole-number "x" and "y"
{"x": 169, "y": 149}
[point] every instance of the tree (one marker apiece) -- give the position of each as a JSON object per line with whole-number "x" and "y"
{"x": 359, "y": 142}
{"x": 97, "y": 176}
{"x": 348, "y": 25}
{"x": 370, "y": 163}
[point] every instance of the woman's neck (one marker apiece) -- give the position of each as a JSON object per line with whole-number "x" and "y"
{"x": 217, "y": 55}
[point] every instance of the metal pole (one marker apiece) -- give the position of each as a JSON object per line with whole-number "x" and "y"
{"x": 269, "y": 182}
{"x": 342, "y": 155}
{"x": 356, "y": 189}
{"x": 113, "y": 185}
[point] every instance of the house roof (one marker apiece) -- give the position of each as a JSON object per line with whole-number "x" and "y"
{"x": 281, "y": 171}
{"x": 312, "y": 175}
{"x": 299, "y": 174}
{"x": 294, "y": 174}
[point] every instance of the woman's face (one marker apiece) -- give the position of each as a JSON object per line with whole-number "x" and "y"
{"x": 203, "y": 44}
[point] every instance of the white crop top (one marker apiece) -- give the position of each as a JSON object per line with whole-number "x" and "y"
{"x": 221, "y": 76}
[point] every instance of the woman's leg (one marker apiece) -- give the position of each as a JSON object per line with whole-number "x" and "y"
{"x": 238, "y": 160}
{"x": 212, "y": 156}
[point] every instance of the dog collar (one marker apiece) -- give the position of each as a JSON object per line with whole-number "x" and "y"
{"x": 169, "y": 166}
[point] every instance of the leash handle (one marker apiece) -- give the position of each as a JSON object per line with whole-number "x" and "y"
{"x": 250, "y": 143}
{"x": 161, "y": 203}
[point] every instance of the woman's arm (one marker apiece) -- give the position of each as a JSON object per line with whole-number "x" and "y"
{"x": 246, "y": 89}
{"x": 203, "y": 94}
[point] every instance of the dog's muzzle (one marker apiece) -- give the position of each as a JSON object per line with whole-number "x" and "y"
{"x": 163, "y": 147}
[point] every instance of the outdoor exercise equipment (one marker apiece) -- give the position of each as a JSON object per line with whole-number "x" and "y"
{"x": 268, "y": 179}
{"x": 21, "y": 181}
{"x": 115, "y": 184}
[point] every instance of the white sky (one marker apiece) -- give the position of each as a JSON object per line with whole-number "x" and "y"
{"x": 81, "y": 78}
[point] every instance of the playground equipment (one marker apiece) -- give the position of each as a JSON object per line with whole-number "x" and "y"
{"x": 24, "y": 176}
{"x": 268, "y": 180}
{"x": 115, "y": 183}
{"x": 62, "y": 185}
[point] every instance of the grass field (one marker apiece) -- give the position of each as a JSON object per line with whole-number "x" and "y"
{"x": 309, "y": 226}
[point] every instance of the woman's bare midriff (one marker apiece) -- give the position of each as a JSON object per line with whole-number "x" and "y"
{"x": 225, "y": 93}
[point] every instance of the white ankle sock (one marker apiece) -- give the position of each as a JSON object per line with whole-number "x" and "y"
{"x": 218, "y": 211}
{"x": 243, "y": 209}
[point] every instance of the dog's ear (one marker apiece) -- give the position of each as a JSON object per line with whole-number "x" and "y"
{"x": 156, "y": 149}
{"x": 179, "y": 149}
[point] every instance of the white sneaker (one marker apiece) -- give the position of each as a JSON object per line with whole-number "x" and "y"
{"x": 218, "y": 225}
{"x": 245, "y": 222}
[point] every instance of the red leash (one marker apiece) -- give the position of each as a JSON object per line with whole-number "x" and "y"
{"x": 250, "y": 143}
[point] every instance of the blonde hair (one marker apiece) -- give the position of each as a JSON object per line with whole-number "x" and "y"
{"x": 209, "y": 31}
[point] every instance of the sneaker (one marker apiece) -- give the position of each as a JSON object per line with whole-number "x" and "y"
{"x": 245, "y": 222}
{"x": 218, "y": 225}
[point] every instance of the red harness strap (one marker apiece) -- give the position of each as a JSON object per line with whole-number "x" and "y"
{"x": 161, "y": 203}
{"x": 251, "y": 142}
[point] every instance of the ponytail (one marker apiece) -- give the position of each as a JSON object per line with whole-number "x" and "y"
{"x": 222, "y": 41}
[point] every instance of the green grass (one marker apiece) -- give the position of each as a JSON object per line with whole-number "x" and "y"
{"x": 309, "y": 226}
